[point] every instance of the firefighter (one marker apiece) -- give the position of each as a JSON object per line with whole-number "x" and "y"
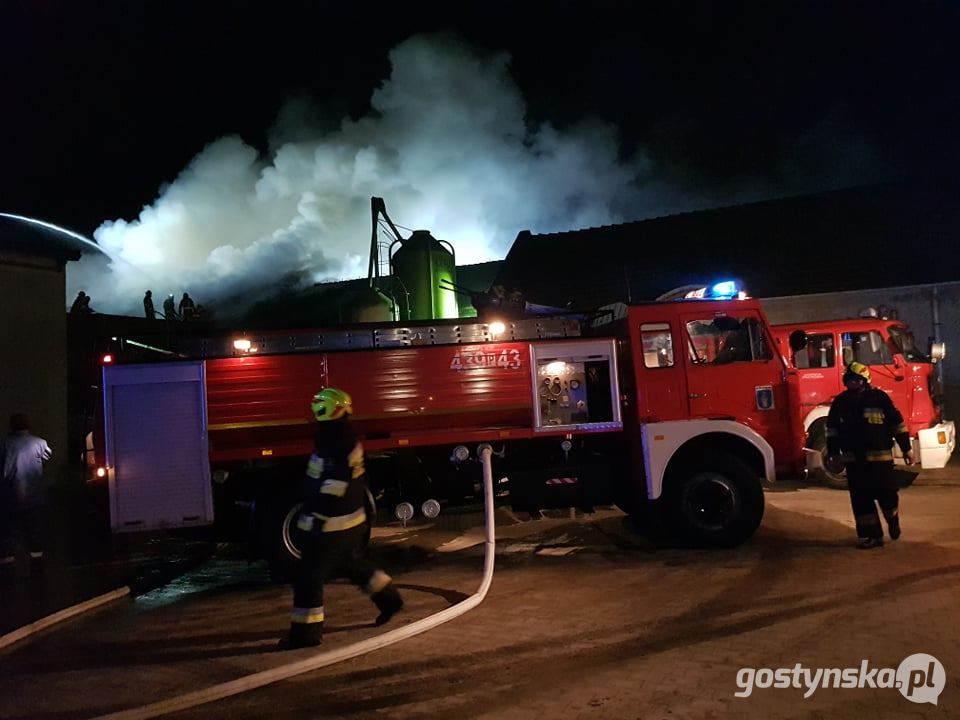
{"x": 861, "y": 428}
{"x": 169, "y": 308}
{"x": 22, "y": 491}
{"x": 331, "y": 528}
{"x": 148, "y": 310}
{"x": 187, "y": 307}
{"x": 81, "y": 304}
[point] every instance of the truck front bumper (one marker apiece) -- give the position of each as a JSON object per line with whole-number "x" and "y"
{"x": 937, "y": 444}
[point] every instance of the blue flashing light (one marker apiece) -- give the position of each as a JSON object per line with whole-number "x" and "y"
{"x": 725, "y": 289}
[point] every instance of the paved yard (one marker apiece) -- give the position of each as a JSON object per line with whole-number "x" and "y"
{"x": 584, "y": 620}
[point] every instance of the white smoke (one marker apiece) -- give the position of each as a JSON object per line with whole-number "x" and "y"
{"x": 447, "y": 143}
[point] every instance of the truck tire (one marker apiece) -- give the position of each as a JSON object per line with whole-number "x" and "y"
{"x": 284, "y": 552}
{"x": 818, "y": 441}
{"x": 715, "y": 500}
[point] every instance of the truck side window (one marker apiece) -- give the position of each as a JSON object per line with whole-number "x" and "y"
{"x": 657, "y": 345}
{"x": 819, "y": 353}
{"x": 867, "y": 347}
{"x": 723, "y": 339}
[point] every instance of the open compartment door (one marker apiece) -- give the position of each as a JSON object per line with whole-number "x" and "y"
{"x": 576, "y": 386}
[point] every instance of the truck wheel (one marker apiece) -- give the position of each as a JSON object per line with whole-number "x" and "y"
{"x": 818, "y": 442}
{"x": 716, "y": 500}
{"x": 283, "y": 553}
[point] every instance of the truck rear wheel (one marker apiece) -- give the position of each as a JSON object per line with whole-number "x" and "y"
{"x": 283, "y": 549}
{"x": 715, "y": 500}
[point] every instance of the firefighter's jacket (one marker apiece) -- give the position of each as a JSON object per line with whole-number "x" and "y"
{"x": 862, "y": 425}
{"x": 334, "y": 487}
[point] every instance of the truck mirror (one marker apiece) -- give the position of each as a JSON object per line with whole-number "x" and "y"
{"x": 798, "y": 340}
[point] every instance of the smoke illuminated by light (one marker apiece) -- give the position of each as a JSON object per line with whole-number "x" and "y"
{"x": 448, "y": 144}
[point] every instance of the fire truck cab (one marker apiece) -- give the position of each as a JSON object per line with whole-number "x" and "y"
{"x": 897, "y": 366}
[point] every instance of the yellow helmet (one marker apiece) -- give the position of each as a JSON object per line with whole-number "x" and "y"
{"x": 856, "y": 368}
{"x": 331, "y": 404}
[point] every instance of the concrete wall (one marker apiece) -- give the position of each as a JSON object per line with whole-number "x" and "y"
{"x": 33, "y": 361}
{"x": 913, "y": 304}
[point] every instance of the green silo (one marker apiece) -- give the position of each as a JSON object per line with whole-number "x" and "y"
{"x": 420, "y": 264}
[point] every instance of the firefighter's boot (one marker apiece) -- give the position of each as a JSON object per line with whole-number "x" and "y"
{"x": 302, "y": 635}
{"x": 893, "y": 523}
{"x": 388, "y": 602}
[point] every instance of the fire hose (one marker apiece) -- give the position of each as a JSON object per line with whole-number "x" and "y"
{"x": 267, "y": 677}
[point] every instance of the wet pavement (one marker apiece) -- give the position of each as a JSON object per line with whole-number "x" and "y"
{"x": 584, "y": 620}
{"x": 84, "y": 560}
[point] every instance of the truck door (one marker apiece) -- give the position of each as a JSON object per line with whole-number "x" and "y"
{"x": 732, "y": 372}
{"x": 818, "y": 369}
{"x": 156, "y": 443}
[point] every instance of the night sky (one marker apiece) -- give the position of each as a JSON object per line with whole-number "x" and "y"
{"x": 104, "y": 103}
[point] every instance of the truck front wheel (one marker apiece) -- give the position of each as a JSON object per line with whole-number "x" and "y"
{"x": 715, "y": 500}
{"x": 818, "y": 441}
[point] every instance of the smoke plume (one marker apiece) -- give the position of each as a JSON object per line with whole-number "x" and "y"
{"x": 447, "y": 143}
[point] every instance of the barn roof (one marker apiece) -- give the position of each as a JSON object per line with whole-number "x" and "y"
{"x": 869, "y": 237}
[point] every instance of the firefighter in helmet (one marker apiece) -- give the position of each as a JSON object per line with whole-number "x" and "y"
{"x": 861, "y": 427}
{"x": 331, "y": 528}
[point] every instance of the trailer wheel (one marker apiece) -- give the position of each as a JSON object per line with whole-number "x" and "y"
{"x": 715, "y": 500}
{"x": 818, "y": 442}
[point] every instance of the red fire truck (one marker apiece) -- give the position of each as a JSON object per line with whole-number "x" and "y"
{"x": 897, "y": 366}
{"x": 678, "y": 410}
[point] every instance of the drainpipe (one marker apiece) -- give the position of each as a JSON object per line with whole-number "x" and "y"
{"x": 937, "y": 337}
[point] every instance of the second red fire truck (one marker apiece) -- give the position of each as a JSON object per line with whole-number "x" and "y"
{"x": 898, "y": 366}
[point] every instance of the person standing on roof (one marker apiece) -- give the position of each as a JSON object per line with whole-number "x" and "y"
{"x": 169, "y": 308}
{"x": 332, "y": 527}
{"x": 861, "y": 427}
{"x": 81, "y": 304}
{"x": 148, "y": 310}
{"x": 187, "y": 307}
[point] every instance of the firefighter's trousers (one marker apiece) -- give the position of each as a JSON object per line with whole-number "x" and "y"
{"x": 872, "y": 484}
{"x": 326, "y": 555}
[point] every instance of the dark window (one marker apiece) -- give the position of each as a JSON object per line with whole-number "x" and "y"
{"x": 907, "y": 345}
{"x": 657, "y": 345}
{"x": 867, "y": 347}
{"x": 819, "y": 353}
{"x": 725, "y": 339}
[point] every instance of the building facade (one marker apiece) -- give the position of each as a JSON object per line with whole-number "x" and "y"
{"x": 33, "y": 325}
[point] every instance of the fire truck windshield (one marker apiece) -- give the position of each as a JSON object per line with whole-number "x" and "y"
{"x": 907, "y": 345}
